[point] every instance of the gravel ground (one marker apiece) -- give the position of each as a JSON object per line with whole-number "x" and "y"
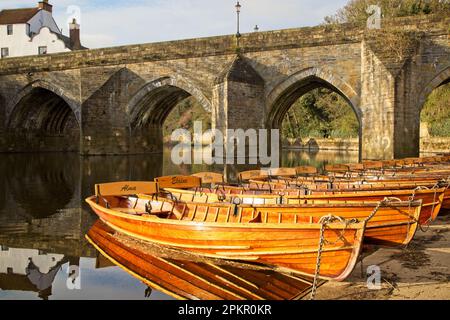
{"x": 419, "y": 272}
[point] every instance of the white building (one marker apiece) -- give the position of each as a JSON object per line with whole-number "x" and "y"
{"x": 15, "y": 260}
{"x": 33, "y": 31}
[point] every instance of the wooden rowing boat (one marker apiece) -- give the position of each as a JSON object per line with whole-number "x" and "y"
{"x": 432, "y": 199}
{"x": 187, "y": 277}
{"x": 394, "y": 224}
{"x": 373, "y": 170}
{"x": 372, "y": 185}
{"x": 301, "y": 187}
{"x": 356, "y": 185}
{"x": 245, "y": 233}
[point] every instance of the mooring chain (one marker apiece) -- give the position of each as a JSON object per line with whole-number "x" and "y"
{"x": 410, "y": 201}
{"x": 426, "y": 226}
{"x": 413, "y": 195}
{"x": 324, "y": 221}
{"x": 381, "y": 203}
{"x": 319, "y": 257}
{"x": 412, "y": 198}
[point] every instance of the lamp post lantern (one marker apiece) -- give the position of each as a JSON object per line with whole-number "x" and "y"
{"x": 238, "y": 11}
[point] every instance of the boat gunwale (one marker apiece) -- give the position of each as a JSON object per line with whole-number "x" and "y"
{"x": 345, "y": 194}
{"x": 398, "y": 204}
{"x": 241, "y": 225}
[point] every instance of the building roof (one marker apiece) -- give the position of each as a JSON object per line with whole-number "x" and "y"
{"x": 67, "y": 43}
{"x": 15, "y": 16}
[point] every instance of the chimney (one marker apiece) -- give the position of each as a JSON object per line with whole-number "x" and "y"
{"x": 75, "y": 43}
{"x": 44, "y": 5}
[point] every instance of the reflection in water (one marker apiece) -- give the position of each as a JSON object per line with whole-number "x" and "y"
{"x": 184, "y": 276}
{"x": 29, "y": 270}
{"x": 317, "y": 158}
{"x": 42, "y": 281}
{"x": 33, "y": 181}
{"x": 42, "y": 209}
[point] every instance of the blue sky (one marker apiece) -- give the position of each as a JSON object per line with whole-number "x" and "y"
{"x": 106, "y": 23}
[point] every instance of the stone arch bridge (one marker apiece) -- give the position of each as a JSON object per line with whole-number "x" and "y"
{"x": 115, "y": 100}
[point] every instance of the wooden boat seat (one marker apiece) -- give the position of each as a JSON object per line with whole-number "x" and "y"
{"x": 306, "y": 171}
{"x": 282, "y": 172}
{"x": 210, "y": 178}
{"x": 179, "y": 182}
{"x": 134, "y": 212}
{"x": 253, "y": 174}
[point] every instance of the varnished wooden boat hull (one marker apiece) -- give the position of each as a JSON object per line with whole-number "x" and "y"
{"x": 432, "y": 200}
{"x": 446, "y": 201}
{"x": 259, "y": 187}
{"x": 288, "y": 246}
{"x": 325, "y": 185}
{"x": 193, "y": 279}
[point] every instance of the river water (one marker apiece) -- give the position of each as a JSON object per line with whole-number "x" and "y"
{"x": 44, "y": 220}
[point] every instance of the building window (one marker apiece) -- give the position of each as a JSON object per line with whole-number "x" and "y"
{"x": 5, "y": 52}
{"x": 28, "y": 30}
{"x": 42, "y": 50}
{"x": 9, "y": 29}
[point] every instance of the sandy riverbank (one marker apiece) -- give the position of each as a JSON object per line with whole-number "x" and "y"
{"x": 421, "y": 271}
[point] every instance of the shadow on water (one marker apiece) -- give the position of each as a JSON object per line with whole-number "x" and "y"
{"x": 43, "y": 214}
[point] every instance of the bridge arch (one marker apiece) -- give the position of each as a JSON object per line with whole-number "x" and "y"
{"x": 153, "y": 102}
{"x": 441, "y": 78}
{"x": 43, "y": 118}
{"x": 294, "y": 86}
{"x": 151, "y": 105}
{"x": 286, "y": 93}
{"x": 43, "y": 84}
{"x": 432, "y": 114}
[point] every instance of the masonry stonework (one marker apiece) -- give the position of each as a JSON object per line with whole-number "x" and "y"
{"x": 115, "y": 100}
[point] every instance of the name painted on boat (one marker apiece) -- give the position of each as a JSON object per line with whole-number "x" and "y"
{"x": 128, "y": 188}
{"x": 177, "y": 180}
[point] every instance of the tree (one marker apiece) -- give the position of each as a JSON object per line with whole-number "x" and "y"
{"x": 321, "y": 113}
{"x": 436, "y": 112}
{"x": 355, "y": 10}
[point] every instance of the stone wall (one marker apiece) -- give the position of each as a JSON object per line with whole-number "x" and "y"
{"x": 313, "y": 144}
{"x": 427, "y": 144}
{"x": 435, "y": 144}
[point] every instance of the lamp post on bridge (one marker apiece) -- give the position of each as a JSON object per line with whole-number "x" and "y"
{"x": 238, "y": 34}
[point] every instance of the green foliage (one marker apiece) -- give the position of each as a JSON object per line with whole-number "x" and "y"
{"x": 355, "y": 10}
{"x": 320, "y": 113}
{"x": 436, "y": 112}
{"x": 184, "y": 115}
